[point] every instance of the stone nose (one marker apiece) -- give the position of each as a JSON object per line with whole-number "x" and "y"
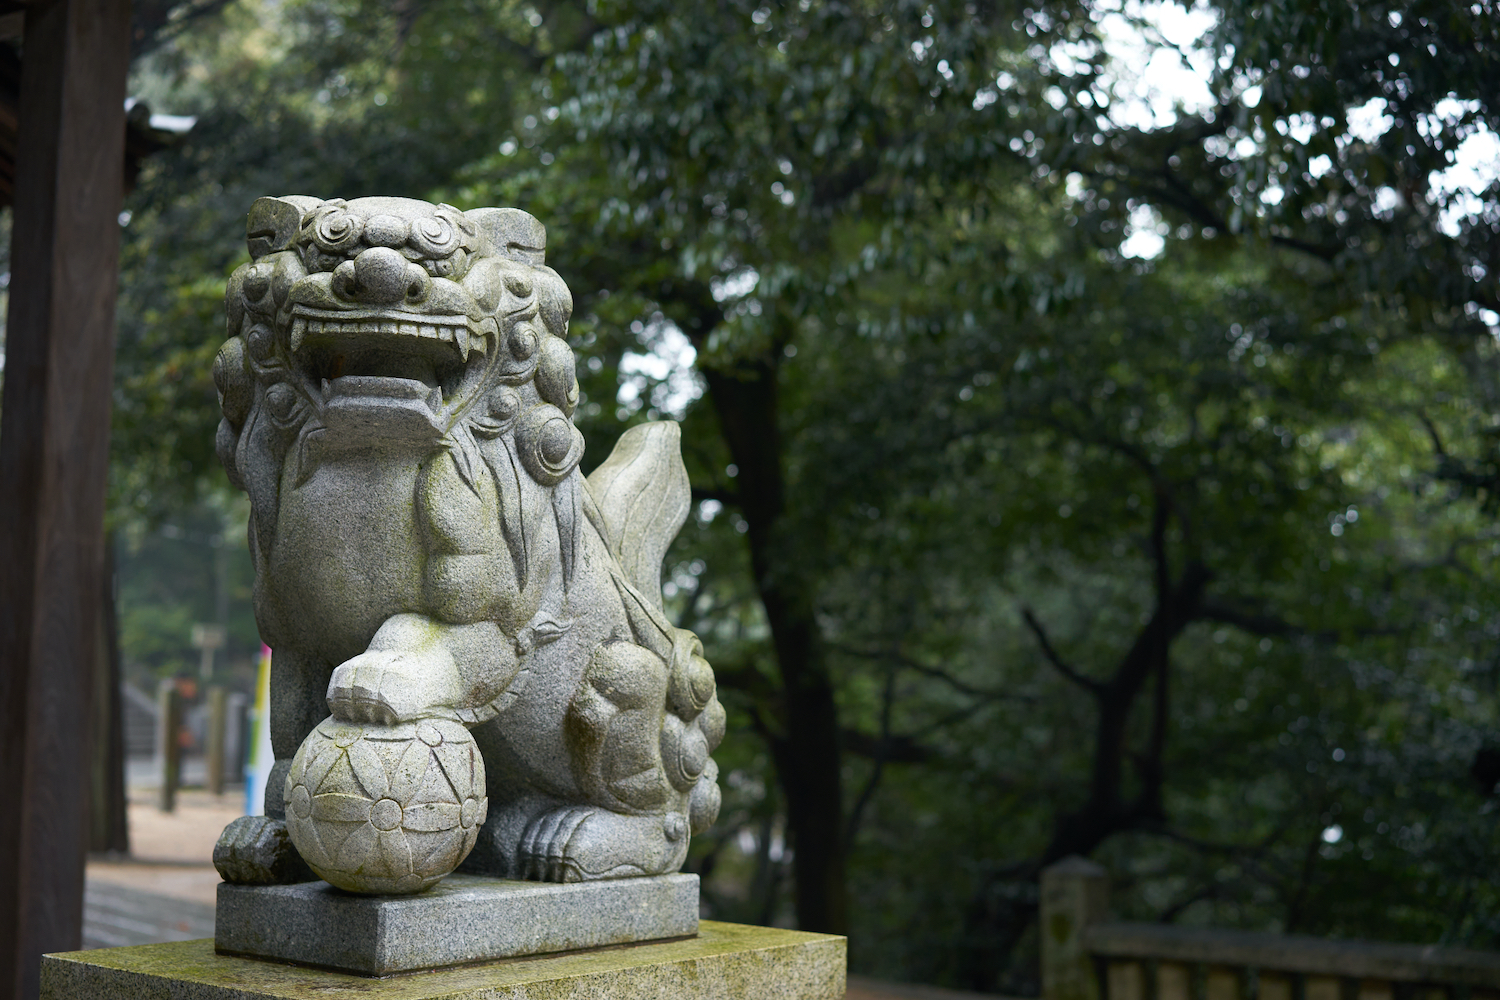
{"x": 380, "y": 277}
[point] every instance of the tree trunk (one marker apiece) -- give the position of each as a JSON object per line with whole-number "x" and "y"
{"x": 806, "y": 750}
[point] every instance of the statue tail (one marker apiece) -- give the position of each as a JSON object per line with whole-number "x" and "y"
{"x": 642, "y": 496}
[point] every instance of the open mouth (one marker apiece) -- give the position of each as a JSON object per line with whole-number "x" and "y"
{"x": 386, "y": 376}
{"x": 388, "y": 345}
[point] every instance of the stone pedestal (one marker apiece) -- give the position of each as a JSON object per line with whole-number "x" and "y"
{"x": 462, "y": 920}
{"x": 723, "y": 962}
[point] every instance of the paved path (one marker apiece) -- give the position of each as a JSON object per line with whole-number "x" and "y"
{"x": 864, "y": 988}
{"x": 164, "y": 891}
{"x": 115, "y": 915}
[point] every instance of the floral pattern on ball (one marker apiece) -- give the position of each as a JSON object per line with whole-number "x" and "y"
{"x": 386, "y": 809}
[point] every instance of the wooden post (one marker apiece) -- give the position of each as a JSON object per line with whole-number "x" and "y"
{"x": 1222, "y": 983}
{"x": 108, "y": 827}
{"x": 1174, "y": 981}
{"x": 1322, "y": 988}
{"x": 218, "y": 712}
{"x": 1075, "y": 893}
{"x": 1126, "y": 981}
{"x": 168, "y": 743}
{"x": 236, "y": 737}
{"x": 54, "y": 446}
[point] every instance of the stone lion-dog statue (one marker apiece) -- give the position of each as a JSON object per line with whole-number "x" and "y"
{"x": 484, "y": 624}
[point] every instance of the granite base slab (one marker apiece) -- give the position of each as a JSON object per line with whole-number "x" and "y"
{"x": 461, "y": 920}
{"x": 723, "y": 962}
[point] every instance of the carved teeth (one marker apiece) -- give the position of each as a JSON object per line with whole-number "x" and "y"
{"x": 458, "y": 334}
{"x": 325, "y": 388}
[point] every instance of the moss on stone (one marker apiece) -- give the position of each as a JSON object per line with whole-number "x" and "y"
{"x": 723, "y": 961}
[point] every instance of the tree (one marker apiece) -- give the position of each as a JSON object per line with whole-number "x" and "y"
{"x": 1008, "y": 545}
{"x": 739, "y": 173}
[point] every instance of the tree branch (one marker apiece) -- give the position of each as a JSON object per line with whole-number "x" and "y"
{"x": 894, "y": 748}
{"x": 887, "y": 703}
{"x": 743, "y": 677}
{"x": 1432, "y": 432}
{"x": 937, "y": 673}
{"x": 1083, "y": 681}
{"x": 1267, "y": 625}
{"x": 1245, "y": 621}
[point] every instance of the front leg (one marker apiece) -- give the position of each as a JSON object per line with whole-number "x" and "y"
{"x": 420, "y": 668}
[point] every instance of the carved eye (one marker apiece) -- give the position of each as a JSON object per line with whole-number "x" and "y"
{"x": 435, "y": 237}
{"x": 336, "y": 231}
{"x": 452, "y": 264}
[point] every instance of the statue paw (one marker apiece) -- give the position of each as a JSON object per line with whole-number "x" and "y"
{"x": 387, "y": 686}
{"x": 582, "y": 843}
{"x": 256, "y": 850}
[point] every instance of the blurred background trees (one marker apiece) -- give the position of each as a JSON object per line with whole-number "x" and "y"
{"x": 1079, "y": 468}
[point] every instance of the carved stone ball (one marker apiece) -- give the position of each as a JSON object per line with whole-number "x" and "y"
{"x": 385, "y": 809}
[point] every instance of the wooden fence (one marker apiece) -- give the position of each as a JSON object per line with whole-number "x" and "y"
{"x": 1086, "y": 956}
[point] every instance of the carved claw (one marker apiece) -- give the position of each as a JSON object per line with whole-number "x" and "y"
{"x": 387, "y": 686}
{"x": 256, "y": 850}
{"x": 543, "y": 856}
{"x": 582, "y": 843}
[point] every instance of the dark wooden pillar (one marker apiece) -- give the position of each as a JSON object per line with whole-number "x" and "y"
{"x": 109, "y": 830}
{"x": 54, "y": 443}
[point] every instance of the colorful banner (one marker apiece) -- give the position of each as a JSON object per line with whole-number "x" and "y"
{"x": 258, "y": 768}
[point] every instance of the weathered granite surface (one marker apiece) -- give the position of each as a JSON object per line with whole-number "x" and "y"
{"x": 398, "y": 394}
{"x": 464, "y": 919}
{"x": 724, "y": 962}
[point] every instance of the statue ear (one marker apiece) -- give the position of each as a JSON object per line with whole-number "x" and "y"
{"x": 273, "y": 222}
{"x": 513, "y": 233}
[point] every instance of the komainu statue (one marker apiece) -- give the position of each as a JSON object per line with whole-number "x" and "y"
{"x": 483, "y": 622}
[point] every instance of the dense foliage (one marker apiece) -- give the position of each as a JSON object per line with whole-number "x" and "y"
{"x": 1008, "y": 545}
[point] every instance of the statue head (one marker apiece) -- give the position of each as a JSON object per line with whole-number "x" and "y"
{"x": 387, "y": 323}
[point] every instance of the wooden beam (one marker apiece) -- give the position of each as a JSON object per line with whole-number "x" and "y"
{"x": 1293, "y": 953}
{"x": 54, "y": 444}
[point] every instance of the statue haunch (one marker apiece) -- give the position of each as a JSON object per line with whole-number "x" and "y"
{"x": 398, "y": 398}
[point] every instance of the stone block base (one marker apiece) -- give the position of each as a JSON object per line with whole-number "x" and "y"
{"x": 462, "y": 920}
{"x": 723, "y": 962}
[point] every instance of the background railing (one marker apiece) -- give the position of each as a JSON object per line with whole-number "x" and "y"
{"x": 1085, "y": 956}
